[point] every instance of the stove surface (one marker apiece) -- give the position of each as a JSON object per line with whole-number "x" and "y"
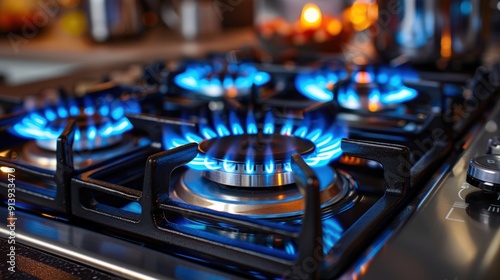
{"x": 233, "y": 166}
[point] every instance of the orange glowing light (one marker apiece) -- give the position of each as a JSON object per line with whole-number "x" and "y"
{"x": 334, "y": 27}
{"x": 358, "y": 13}
{"x": 363, "y": 77}
{"x": 373, "y": 12}
{"x": 232, "y": 92}
{"x": 364, "y": 268}
{"x": 74, "y": 23}
{"x": 330, "y": 85}
{"x": 48, "y": 216}
{"x": 311, "y": 16}
{"x": 446, "y": 45}
{"x": 373, "y": 106}
{"x": 362, "y": 14}
{"x": 350, "y": 160}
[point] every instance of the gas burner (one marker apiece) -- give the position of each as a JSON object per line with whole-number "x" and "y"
{"x": 278, "y": 202}
{"x": 98, "y": 125}
{"x": 34, "y": 155}
{"x": 244, "y": 158}
{"x": 318, "y": 85}
{"x": 376, "y": 89}
{"x": 219, "y": 79}
{"x": 258, "y": 157}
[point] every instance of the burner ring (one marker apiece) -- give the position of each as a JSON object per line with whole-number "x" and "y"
{"x": 259, "y": 178}
{"x": 37, "y": 156}
{"x": 278, "y": 202}
{"x": 253, "y": 160}
{"x": 218, "y": 79}
{"x": 84, "y": 143}
{"x": 86, "y": 136}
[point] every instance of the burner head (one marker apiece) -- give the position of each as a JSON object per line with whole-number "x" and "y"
{"x": 257, "y": 154}
{"x": 221, "y": 79}
{"x": 98, "y": 125}
{"x": 376, "y": 89}
{"x": 253, "y": 160}
{"x": 369, "y": 88}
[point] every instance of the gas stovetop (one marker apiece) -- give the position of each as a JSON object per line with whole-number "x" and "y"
{"x": 231, "y": 166}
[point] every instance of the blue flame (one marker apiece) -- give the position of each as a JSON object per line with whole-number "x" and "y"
{"x": 50, "y": 114}
{"x": 251, "y": 124}
{"x": 287, "y": 128}
{"x": 73, "y": 108}
{"x": 349, "y": 99}
{"x": 39, "y": 125}
{"x": 88, "y": 109}
{"x": 221, "y": 128}
{"x": 104, "y": 110}
{"x": 117, "y": 112}
{"x": 269, "y": 161}
{"x": 249, "y": 166}
{"x": 318, "y": 85}
{"x": 235, "y": 124}
{"x": 213, "y": 82}
{"x": 399, "y": 96}
{"x": 269, "y": 123}
{"x": 326, "y": 139}
{"x": 229, "y": 166}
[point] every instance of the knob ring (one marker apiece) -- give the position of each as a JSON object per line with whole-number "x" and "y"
{"x": 486, "y": 186}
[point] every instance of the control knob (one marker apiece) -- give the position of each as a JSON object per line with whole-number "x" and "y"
{"x": 484, "y": 172}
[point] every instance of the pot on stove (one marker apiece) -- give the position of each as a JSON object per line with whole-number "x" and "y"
{"x": 433, "y": 32}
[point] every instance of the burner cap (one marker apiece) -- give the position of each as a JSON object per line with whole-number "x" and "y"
{"x": 253, "y": 160}
{"x": 237, "y": 148}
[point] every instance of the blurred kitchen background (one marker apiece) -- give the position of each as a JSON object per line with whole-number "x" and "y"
{"x": 42, "y": 39}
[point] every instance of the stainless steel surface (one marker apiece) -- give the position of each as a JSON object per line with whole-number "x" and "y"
{"x": 446, "y": 238}
{"x": 268, "y": 203}
{"x": 110, "y": 19}
{"x": 259, "y": 177}
{"x": 485, "y": 168}
{"x": 109, "y": 254}
{"x": 425, "y": 31}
